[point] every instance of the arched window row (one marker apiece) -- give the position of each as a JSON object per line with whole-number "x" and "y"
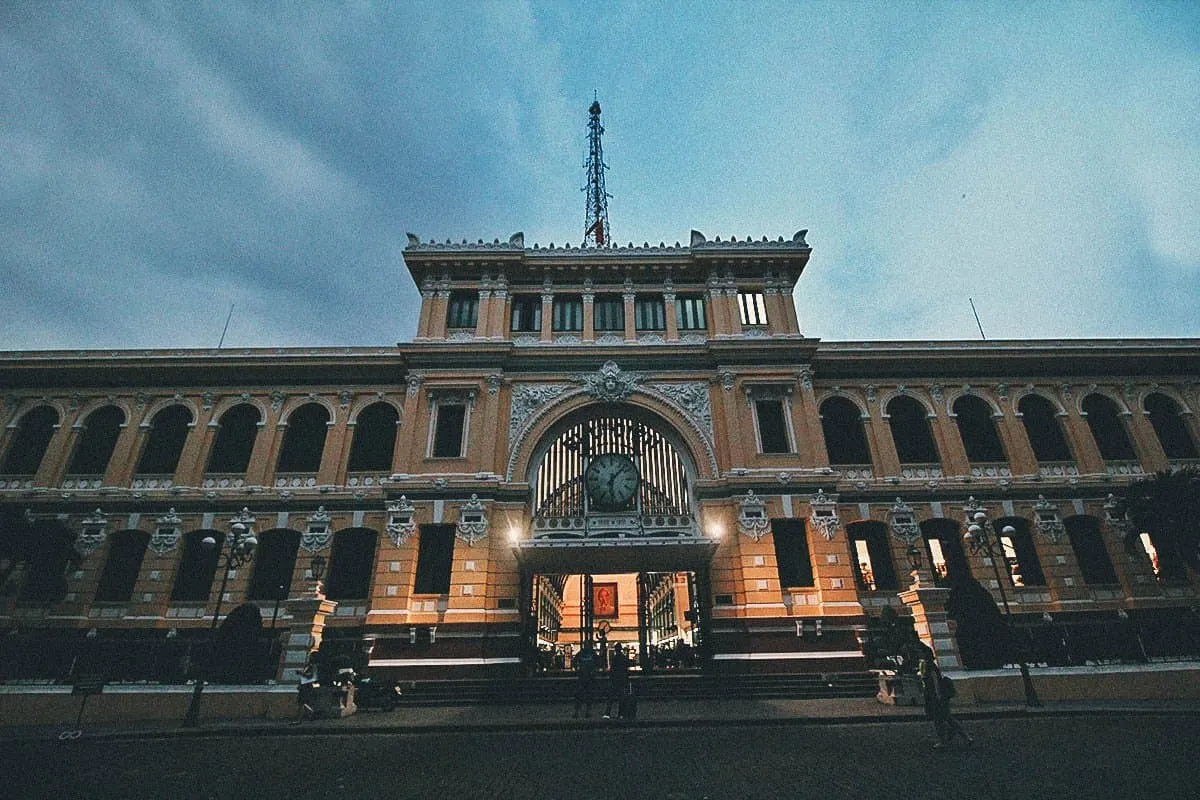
{"x": 876, "y": 556}
{"x": 160, "y": 440}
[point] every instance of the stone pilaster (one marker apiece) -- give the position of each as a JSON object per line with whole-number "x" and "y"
{"x": 928, "y": 606}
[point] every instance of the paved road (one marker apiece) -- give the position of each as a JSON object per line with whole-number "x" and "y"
{"x": 1093, "y": 756}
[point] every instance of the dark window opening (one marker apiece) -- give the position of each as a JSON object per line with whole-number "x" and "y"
{"x": 526, "y": 313}
{"x": 31, "y": 442}
{"x": 49, "y": 562}
{"x": 772, "y": 427}
{"x": 97, "y": 441}
{"x": 351, "y": 564}
{"x": 1020, "y": 555}
{"x": 791, "y": 552}
{"x": 608, "y": 313}
{"x": 689, "y": 312}
{"x": 435, "y": 558}
{"x": 125, "y": 555}
{"x": 909, "y": 422}
{"x": 1104, "y": 419}
{"x": 944, "y": 550}
{"x": 164, "y": 444}
{"x": 197, "y": 566}
{"x": 845, "y": 439}
{"x": 274, "y": 564}
{"x": 1041, "y": 425}
{"x": 978, "y": 430}
{"x": 304, "y": 439}
{"x": 649, "y": 313}
{"x": 235, "y": 440}
{"x": 752, "y": 308}
{"x": 374, "y": 441}
{"x": 463, "y": 310}
{"x": 568, "y": 313}
{"x": 872, "y": 557}
{"x": 1086, "y": 540}
{"x": 451, "y": 419}
{"x": 1170, "y": 427}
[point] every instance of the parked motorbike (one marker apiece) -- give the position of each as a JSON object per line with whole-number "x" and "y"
{"x": 372, "y": 693}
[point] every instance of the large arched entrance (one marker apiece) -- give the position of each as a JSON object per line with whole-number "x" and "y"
{"x": 615, "y": 554}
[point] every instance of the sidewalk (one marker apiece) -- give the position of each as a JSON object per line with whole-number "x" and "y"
{"x": 558, "y": 716}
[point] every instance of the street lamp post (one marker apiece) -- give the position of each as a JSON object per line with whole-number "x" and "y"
{"x": 981, "y": 541}
{"x": 241, "y": 549}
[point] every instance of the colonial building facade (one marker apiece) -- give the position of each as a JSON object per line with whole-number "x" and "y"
{"x": 632, "y": 443}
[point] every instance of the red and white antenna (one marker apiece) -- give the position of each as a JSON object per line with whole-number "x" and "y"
{"x": 596, "y": 232}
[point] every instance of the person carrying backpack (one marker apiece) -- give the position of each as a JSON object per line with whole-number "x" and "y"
{"x": 938, "y": 691}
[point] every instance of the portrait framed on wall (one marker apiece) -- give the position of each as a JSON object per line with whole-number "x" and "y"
{"x": 604, "y": 600}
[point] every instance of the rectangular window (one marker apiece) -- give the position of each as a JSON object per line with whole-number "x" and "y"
{"x": 608, "y": 313}
{"x": 435, "y": 558}
{"x": 772, "y": 427}
{"x": 689, "y": 312}
{"x": 1088, "y": 544}
{"x": 568, "y": 313}
{"x": 873, "y": 568}
{"x": 449, "y": 426}
{"x": 527, "y": 313}
{"x": 463, "y": 310}
{"x": 649, "y": 313}
{"x": 791, "y": 552}
{"x": 752, "y": 308}
{"x": 1024, "y": 569}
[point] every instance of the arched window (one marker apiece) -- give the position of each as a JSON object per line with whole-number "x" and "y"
{"x": 871, "y": 555}
{"x": 30, "y": 442}
{"x": 351, "y": 564}
{"x": 46, "y": 579}
{"x": 1104, "y": 418}
{"x": 944, "y": 549}
{"x": 304, "y": 439}
{"x": 374, "y": 440}
{"x": 274, "y": 564}
{"x": 125, "y": 553}
{"x": 845, "y": 439}
{"x": 96, "y": 442}
{"x": 1024, "y": 568}
{"x": 1088, "y": 544}
{"x": 978, "y": 430}
{"x": 235, "y": 439}
{"x": 910, "y": 431}
{"x": 1041, "y": 425}
{"x": 197, "y": 566}
{"x": 1170, "y": 426}
{"x": 164, "y": 445}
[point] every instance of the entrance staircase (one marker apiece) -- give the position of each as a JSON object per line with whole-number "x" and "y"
{"x": 561, "y": 689}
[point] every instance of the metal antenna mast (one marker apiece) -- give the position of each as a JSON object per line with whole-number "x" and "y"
{"x": 596, "y": 232}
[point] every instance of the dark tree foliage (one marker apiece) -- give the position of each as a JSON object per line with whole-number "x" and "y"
{"x": 984, "y": 640}
{"x": 1167, "y": 506}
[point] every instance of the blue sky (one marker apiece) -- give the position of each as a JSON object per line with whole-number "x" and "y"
{"x": 160, "y": 161}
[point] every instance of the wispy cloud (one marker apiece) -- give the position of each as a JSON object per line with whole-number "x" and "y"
{"x": 158, "y": 163}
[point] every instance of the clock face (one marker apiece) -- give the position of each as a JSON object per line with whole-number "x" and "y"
{"x": 611, "y": 481}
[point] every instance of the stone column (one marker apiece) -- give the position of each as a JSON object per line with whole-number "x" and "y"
{"x": 483, "y": 311}
{"x": 54, "y": 463}
{"x": 589, "y": 312}
{"x": 547, "y": 312}
{"x": 884, "y": 459}
{"x": 933, "y": 627}
{"x": 426, "y": 309}
{"x": 732, "y": 310}
{"x": 122, "y": 462}
{"x": 1021, "y": 459}
{"x": 807, "y": 420}
{"x": 337, "y": 451}
{"x": 717, "y": 312}
{"x": 949, "y": 439}
{"x": 262, "y": 458}
{"x": 190, "y": 469}
{"x": 789, "y": 307}
{"x": 437, "y": 313}
{"x": 498, "y": 324}
{"x": 669, "y": 313}
{"x": 308, "y": 612}
{"x": 1145, "y": 442}
{"x": 630, "y": 321}
{"x": 1079, "y": 437}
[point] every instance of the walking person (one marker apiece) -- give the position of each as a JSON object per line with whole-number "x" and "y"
{"x": 618, "y": 679}
{"x": 938, "y": 691}
{"x": 585, "y": 679}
